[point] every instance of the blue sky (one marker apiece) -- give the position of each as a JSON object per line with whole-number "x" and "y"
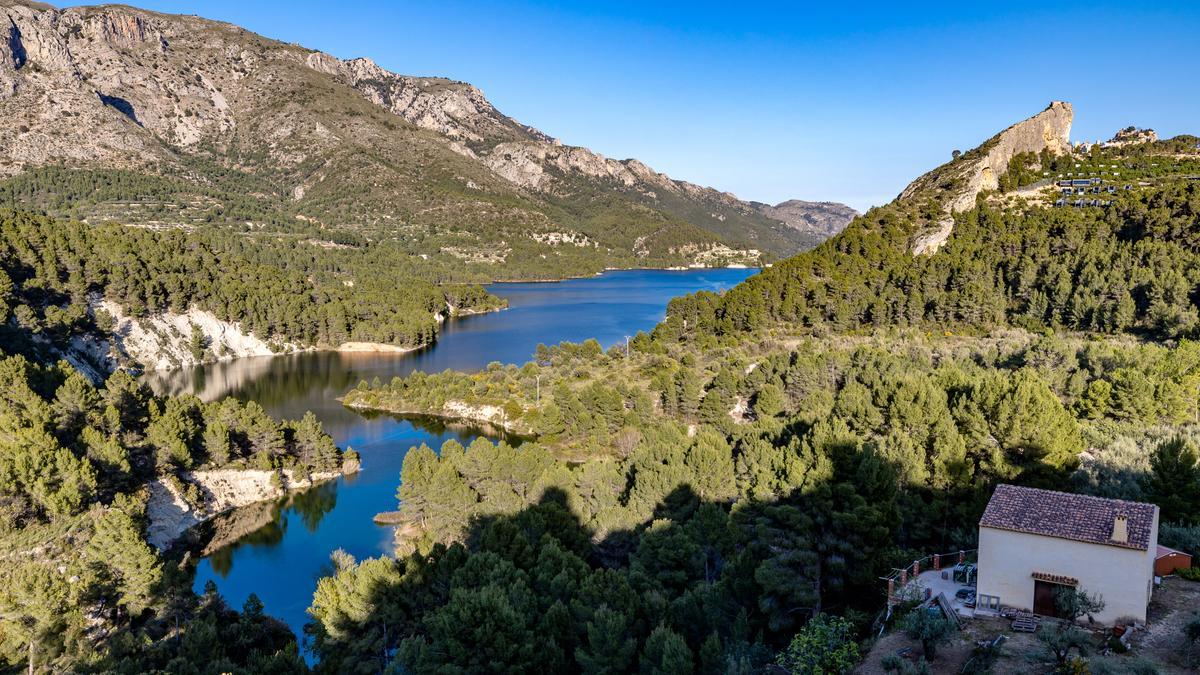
{"x": 837, "y": 101}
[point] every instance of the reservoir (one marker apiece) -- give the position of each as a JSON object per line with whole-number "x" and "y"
{"x": 279, "y": 550}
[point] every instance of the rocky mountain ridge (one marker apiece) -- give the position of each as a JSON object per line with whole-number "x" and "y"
{"x": 821, "y": 219}
{"x": 955, "y": 185}
{"x": 206, "y": 105}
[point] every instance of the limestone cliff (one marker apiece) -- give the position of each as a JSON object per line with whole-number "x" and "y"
{"x": 163, "y": 341}
{"x": 956, "y": 184}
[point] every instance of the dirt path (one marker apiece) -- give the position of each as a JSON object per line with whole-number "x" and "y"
{"x": 1175, "y": 603}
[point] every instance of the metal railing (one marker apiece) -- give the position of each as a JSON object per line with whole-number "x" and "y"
{"x": 899, "y": 577}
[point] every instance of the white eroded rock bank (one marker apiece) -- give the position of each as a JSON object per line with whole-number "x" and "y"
{"x": 169, "y": 513}
{"x": 165, "y": 340}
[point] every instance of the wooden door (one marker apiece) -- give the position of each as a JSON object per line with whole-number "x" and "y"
{"x": 1043, "y": 598}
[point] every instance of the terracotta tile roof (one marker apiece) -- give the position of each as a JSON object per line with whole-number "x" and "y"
{"x": 1055, "y": 578}
{"x": 1164, "y": 551}
{"x": 1068, "y": 516}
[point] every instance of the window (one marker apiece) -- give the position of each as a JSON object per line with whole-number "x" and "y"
{"x": 991, "y": 602}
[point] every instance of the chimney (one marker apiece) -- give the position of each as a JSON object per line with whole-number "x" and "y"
{"x": 1120, "y": 532}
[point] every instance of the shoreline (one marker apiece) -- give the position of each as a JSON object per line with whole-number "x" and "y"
{"x": 481, "y": 415}
{"x": 365, "y": 347}
{"x": 354, "y": 347}
{"x": 349, "y": 347}
{"x": 344, "y": 348}
{"x": 673, "y": 268}
{"x": 272, "y": 349}
{"x": 169, "y": 516}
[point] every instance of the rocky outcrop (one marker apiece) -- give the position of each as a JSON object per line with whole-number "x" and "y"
{"x": 822, "y": 219}
{"x": 124, "y": 30}
{"x": 454, "y": 109}
{"x": 526, "y": 164}
{"x": 164, "y": 340}
{"x": 170, "y": 513}
{"x": 955, "y": 185}
{"x": 64, "y": 87}
{"x": 1131, "y": 136}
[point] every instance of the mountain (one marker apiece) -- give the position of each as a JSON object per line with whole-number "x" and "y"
{"x": 820, "y": 220}
{"x": 989, "y": 240}
{"x": 954, "y": 185}
{"x": 782, "y": 438}
{"x": 115, "y": 113}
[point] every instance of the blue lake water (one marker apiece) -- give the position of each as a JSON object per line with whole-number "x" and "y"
{"x": 278, "y": 551}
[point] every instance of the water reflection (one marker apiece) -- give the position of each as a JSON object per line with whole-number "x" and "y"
{"x": 258, "y": 549}
{"x": 265, "y": 524}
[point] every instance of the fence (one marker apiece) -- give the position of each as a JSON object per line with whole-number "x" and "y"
{"x": 936, "y": 561}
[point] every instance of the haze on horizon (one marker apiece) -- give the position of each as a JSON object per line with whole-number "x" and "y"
{"x": 772, "y": 101}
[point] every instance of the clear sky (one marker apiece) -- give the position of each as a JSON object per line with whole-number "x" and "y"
{"x": 843, "y": 101}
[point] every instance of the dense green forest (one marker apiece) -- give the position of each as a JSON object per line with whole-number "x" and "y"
{"x": 436, "y": 236}
{"x": 282, "y": 290}
{"x": 80, "y": 588}
{"x": 1130, "y": 268}
{"x": 721, "y": 495}
{"x": 766, "y": 455}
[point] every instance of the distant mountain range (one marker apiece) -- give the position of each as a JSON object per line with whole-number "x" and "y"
{"x": 819, "y": 220}
{"x": 115, "y": 113}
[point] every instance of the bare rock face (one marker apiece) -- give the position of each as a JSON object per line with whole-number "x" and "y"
{"x": 1132, "y": 136}
{"x": 525, "y": 164}
{"x": 68, "y": 90}
{"x": 956, "y": 184}
{"x": 454, "y": 109}
{"x": 115, "y": 87}
{"x": 519, "y": 164}
{"x": 12, "y": 57}
{"x": 123, "y": 30}
{"x": 823, "y": 219}
{"x": 36, "y": 34}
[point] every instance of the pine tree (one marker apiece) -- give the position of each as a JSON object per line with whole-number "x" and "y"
{"x": 119, "y": 551}
{"x": 608, "y": 648}
{"x": 665, "y": 653}
{"x": 35, "y": 605}
{"x": 1174, "y": 481}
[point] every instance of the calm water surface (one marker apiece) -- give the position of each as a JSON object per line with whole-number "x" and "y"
{"x": 285, "y": 546}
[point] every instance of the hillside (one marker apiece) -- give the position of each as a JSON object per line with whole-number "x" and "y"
{"x": 736, "y": 488}
{"x": 115, "y": 113}
{"x": 104, "y": 296}
{"x": 990, "y": 240}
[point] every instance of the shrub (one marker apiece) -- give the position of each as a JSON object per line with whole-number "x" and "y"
{"x": 1189, "y": 573}
{"x": 1186, "y": 538}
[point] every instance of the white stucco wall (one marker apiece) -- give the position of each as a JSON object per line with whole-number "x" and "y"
{"x": 1123, "y": 577}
